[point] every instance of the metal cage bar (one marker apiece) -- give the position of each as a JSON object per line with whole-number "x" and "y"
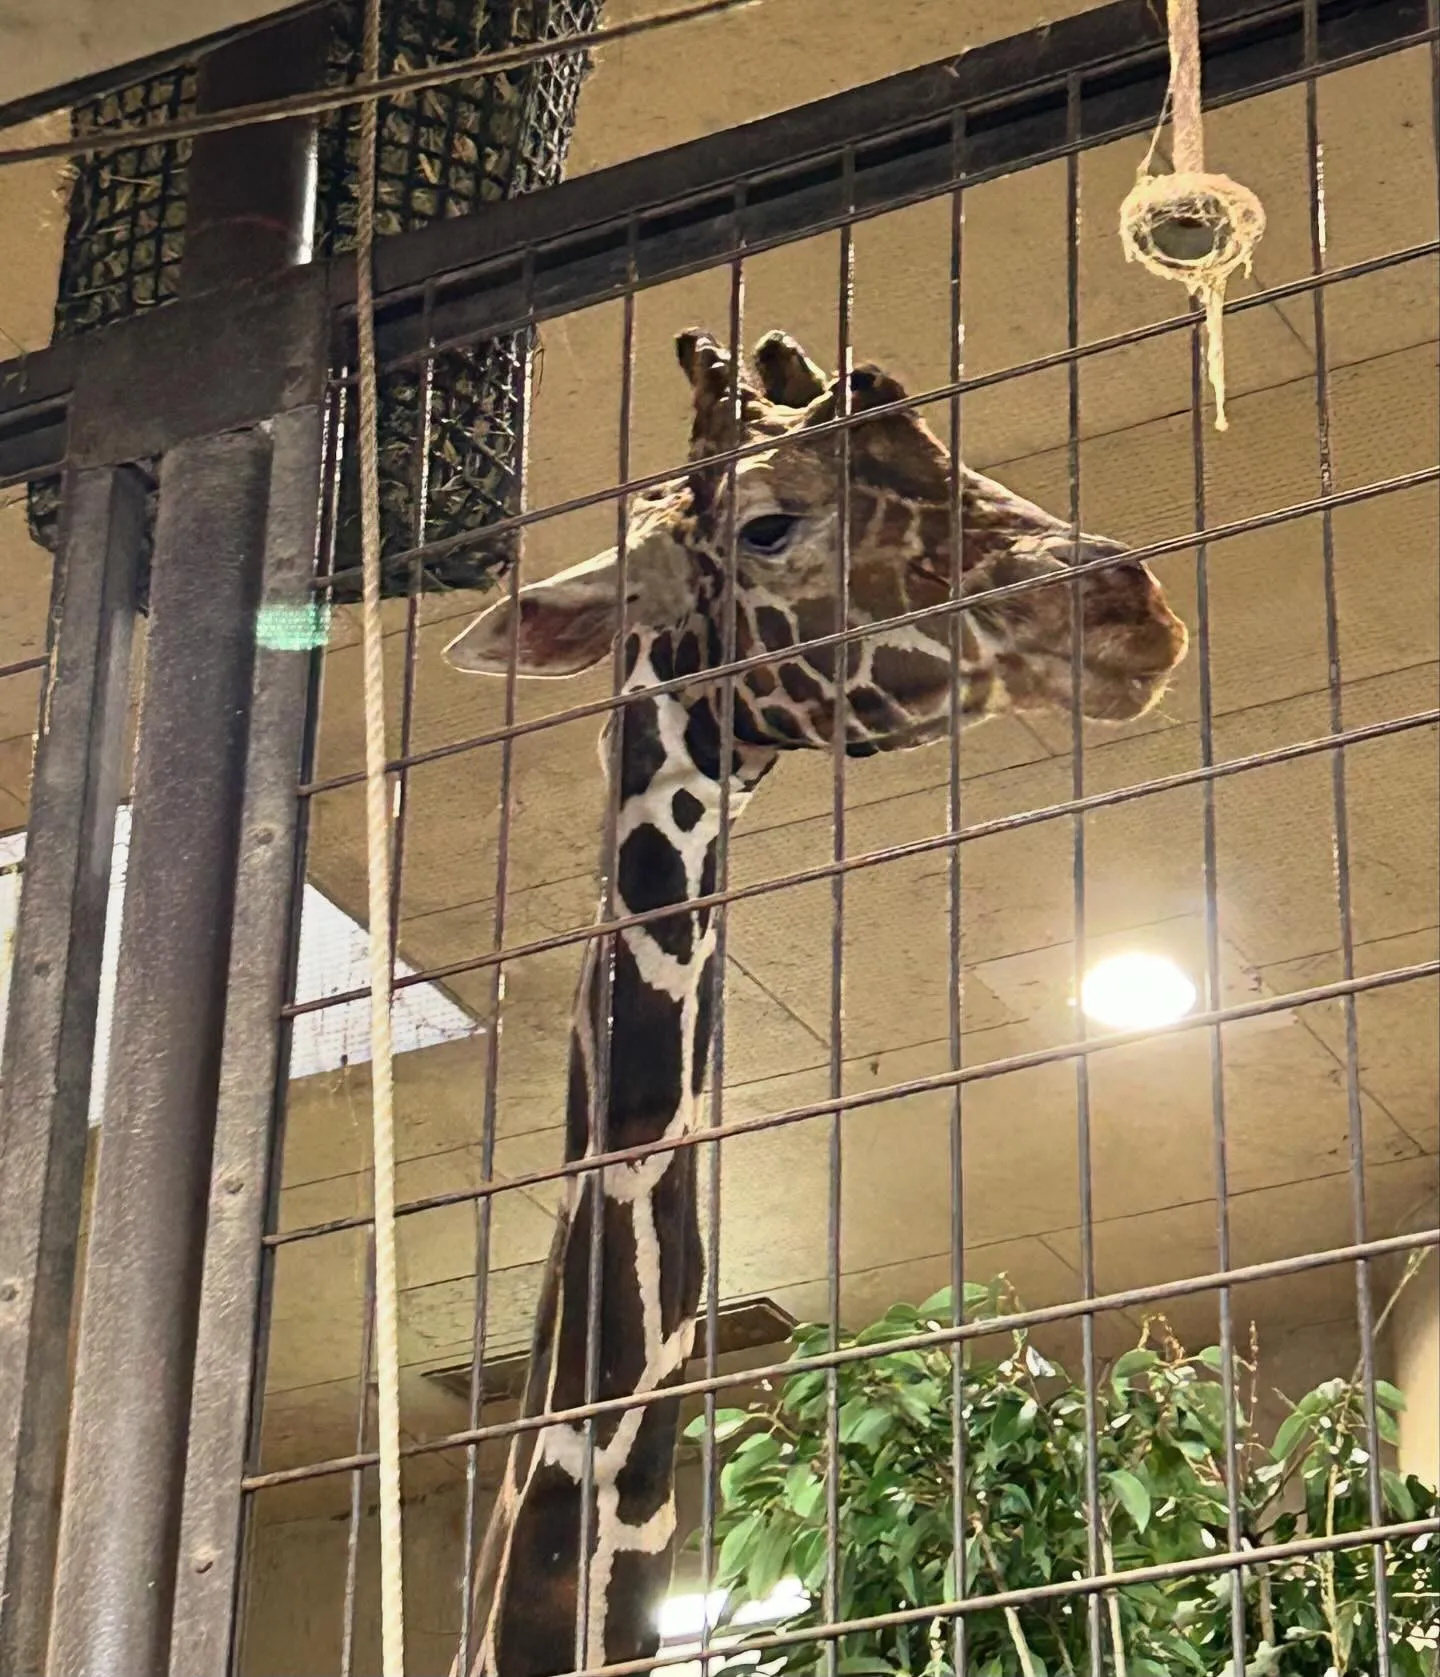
{"x": 710, "y": 208}
{"x": 79, "y": 773}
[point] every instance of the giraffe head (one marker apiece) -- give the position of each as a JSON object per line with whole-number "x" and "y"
{"x": 780, "y": 508}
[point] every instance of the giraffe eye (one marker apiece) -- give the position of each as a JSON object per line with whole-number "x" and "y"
{"x": 769, "y": 534}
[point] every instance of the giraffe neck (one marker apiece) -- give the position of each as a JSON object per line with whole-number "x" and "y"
{"x": 637, "y": 1082}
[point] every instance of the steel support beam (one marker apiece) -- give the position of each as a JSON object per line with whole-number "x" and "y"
{"x": 124, "y": 1472}
{"x": 250, "y": 203}
{"x": 251, "y": 1064}
{"x": 120, "y": 1518}
{"x": 78, "y": 778}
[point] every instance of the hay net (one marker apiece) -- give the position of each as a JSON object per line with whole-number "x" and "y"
{"x": 443, "y": 152}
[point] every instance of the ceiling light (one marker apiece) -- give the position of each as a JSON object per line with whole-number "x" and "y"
{"x": 1136, "y": 993}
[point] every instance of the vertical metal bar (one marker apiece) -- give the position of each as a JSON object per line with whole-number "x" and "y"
{"x": 708, "y": 1462}
{"x": 960, "y": 1629}
{"x": 838, "y": 732}
{"x": 124, "y": 1473}
{"x": 250, "y": 201}
{"x": 1077, "y": 785}
{"x": 49, "y": 1045}
{"x": 1210, "y": 877}
{"x": 335, "y": 413}
{"x": 593, "y": 1183}
{"x": 1365, "y": 1314}
{"x": 250, "y": 1066}
{"x": 484, "y": 1211}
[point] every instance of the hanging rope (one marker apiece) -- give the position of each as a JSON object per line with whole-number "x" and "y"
{"x": 377, "y": 822}
{"x": 1190, "y": 226}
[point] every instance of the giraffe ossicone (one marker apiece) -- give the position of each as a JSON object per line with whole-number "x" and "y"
{"x": 541, "y": 1608}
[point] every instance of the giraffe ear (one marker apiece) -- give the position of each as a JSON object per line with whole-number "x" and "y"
{"x": 568, "y": 621}
{"x": 567, "y": 624}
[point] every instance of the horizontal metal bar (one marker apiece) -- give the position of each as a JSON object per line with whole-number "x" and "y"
{"x": 841, "y": 1104}
{"x": 1205, "y": 774}
{"x": 1145, "y": 551}
{"x": 410, "y": 559}
{"x": 806, "y": 191}
{"x": 1101, "y": 1304}
{"x": 579, "y": 231}
{"x": 23, "y": 667}
{"x": 141, "y": 394}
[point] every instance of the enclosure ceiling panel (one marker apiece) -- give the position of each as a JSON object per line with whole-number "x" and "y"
{"x": 44, "y": 43}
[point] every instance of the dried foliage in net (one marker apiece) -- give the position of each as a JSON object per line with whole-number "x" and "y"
{"x": 443, "y": 152}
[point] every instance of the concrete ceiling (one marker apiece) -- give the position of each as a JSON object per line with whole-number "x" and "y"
{"x": 1152, "y": 1148}
{"x": 47, "y": 43}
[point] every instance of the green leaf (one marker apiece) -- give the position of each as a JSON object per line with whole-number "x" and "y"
{"x": 727, "y": 1423}
{"x": 757, "y": 1452}
{"x": 1133, "y": 1495}
{"x": 1211, "y": 1357}
{"x": 767, "y": 1561}
{"x": 807, "y": 1556}
{"x": 1290, "y": 1431}
{"x": 1389, "y": 1431}
{"x": 804, "y": 1491}
{"x": 1390, "y": 1396}
{"x": 802, "y": 1391}
{"x": 1133, "y": 1362}
{"x": 734, "y": 1551}
{"x": 863, "y": 1423}
{"x": 940, "y": 1305}
{"x": 982, "y": 1298}
{"x": 1397, "y": 1494}
{"x": 863, "y": 1665}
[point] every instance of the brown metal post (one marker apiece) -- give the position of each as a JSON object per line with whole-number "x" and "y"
{"x": 250, "y": 196}
{"x": 54, "y": 997}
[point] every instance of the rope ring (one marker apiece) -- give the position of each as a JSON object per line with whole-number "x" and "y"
{"x": 1197, "y": 229}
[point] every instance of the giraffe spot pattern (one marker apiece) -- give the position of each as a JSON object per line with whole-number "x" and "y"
{"x": 773, "y": 628}
{"x": 800, "y": 685}
{"x": 782, "y": 724}
{"x": 645, "y": 1054}
{"x": 908, "y": 675}
{"x": 650, "y": 874}
{"x": 638, "y": 1580}
{"x": 685, "y": 810}
{"x": 642, "y": 754}
{"x": 643, "y": 1482}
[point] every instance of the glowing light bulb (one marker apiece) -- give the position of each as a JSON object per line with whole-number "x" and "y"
{"x": 1136, "y": 993}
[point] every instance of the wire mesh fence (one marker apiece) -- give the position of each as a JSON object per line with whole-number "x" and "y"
{"x": 947, "y": 1170}
{"x": 1035, "y": 1120}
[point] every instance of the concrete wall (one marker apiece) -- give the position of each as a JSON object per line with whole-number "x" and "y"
{"x": 1415, "y": 1343}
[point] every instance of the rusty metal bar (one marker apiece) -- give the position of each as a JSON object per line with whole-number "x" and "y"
{"x": 78, "y": 778}
{"x": 262, "y": 947}
{"x": 120, "y": 1520}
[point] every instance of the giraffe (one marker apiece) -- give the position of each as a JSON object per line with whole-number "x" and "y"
{"x": 781, "y": 511}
